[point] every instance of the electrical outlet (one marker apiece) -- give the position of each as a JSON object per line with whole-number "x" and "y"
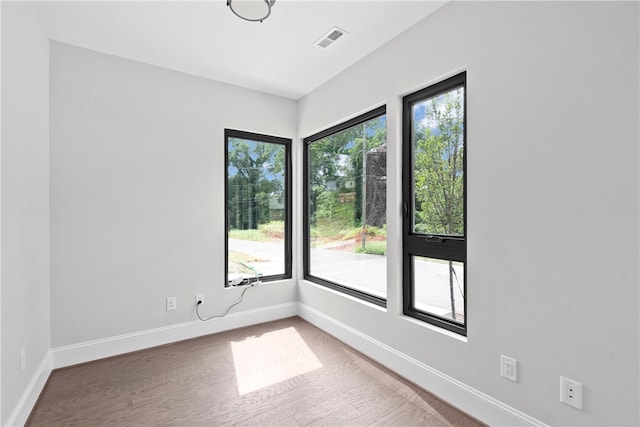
{"x": 509, "y": 368}
{"x": 571, "y": 392}
{"x": 199, "y": 298}
{"x": 23, "y": 359}
{"x": 171, "y": 303}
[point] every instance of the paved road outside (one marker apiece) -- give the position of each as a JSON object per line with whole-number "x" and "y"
{"x": 364, "y": 272}
{"x": 367, "y": 273}
{"x": 270, "y": 255}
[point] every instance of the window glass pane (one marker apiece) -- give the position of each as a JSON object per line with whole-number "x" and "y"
{"x": 439, "y": 287}
{"x": 434, "y": 187}
{"x": 256, "y": 208}
{"x": 438, "y": 164}
{"x": 347, "y": 207}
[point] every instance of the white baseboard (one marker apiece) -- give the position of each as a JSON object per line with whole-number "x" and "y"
{"x": 475, "y": 403}
{"x": 113, "y": 346}
{"x": 30, "y": 396}
{"x": 467, "y": 399}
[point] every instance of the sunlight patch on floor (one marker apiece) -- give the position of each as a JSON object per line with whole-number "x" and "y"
{"x": 270, "y": 358}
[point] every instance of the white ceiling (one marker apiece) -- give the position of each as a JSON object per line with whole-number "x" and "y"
{"x": 206, "y": 39}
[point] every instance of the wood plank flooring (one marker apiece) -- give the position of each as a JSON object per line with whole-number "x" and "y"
{"x": 286, "y": 372}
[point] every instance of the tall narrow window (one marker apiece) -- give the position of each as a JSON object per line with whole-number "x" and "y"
{"x": 434, "y": 197}
{"x": 345, "y": 207}
{"x": 258, "y": 207}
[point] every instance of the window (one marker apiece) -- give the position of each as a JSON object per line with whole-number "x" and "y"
{"x": 345, "y": 207}
{"x": 258, "y": 207}
{"x": 434, "y": 198}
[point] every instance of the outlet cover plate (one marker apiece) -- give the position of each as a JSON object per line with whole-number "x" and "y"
{"x": 200, "y": 297}
{"x": 509, "y": 368}
{"x": 571, "y": 392}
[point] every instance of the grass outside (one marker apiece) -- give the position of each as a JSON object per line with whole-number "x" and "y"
{"x": 372, "y": 248}
{"x": 265, "y": 232}
{"x": 325, "y": 232}
{"x": 328, "y": 231}
{"x": 253, "y": 235}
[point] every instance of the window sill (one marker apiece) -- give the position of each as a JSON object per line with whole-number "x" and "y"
{"x": 264, "y": 282}
{"x": 344, "y": 295}
{"x": 434, "y": 328}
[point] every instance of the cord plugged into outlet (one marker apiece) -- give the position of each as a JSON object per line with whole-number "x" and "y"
{"x": 200, "y": 301}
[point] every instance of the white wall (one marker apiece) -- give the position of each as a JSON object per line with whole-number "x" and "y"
{"x": 137, "y": 171}
{"x": 552, "y": 199}
{"x": 137, "y": 190}
{"x": 25, "y": 199}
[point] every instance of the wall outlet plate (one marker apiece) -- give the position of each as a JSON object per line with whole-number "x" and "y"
{"x": 171, "y": 303}
{"x": 509, "y": 368}
{"x": 571, "y": 392}
{"x": 199, "y": 298}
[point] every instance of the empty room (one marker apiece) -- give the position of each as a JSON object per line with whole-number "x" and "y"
{"x": 340, "y": 213}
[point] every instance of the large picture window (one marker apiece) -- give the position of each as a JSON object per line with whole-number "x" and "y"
{"x": 258, "y": 207}
{"x": 434, "y": 197}
{"x": 345, "y": 207}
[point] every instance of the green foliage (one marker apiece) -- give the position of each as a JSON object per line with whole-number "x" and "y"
{"x": 252, "y": 234}
{"x": 373, "y": 248}
{"x": 439, "y": 167}
{"x": 336, "y": 167}
{"x": 255, "y": 176}
{"x": 274, "y": 229}
{"x": 332, "y": 216}
{"x": 326, "y": 204}
{"x": 331, "y": 209}
{"x": 332, "y": 229}
{"x": 315, "y": 234}
{"x": 353, "y": 233}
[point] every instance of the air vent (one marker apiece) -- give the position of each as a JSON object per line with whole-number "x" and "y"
{"x": 329, "y": 37}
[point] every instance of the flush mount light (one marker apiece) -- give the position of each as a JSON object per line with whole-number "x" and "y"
{"x": 251, "y": 10}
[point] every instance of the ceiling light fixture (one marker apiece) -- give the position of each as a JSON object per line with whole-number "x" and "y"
{"x": 251, "y": 10}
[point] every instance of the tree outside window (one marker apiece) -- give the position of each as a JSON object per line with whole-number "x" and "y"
{"x": 434, "y": 194}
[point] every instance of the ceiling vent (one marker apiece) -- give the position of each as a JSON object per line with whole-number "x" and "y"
{"x": 329, "y": 37}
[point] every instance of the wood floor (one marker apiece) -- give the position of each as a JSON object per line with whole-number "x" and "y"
{"x": 286, "y": 372}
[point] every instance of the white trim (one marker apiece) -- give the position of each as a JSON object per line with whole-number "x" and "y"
{"x": 30, "y": 396}
{"x": 477, "y": 404}
{"x": 113, "y": 346}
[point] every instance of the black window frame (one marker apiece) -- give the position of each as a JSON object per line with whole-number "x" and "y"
{"x": 377, "y": 112}
{"x": 288, "y": 227}
{"x": 440, "y": 246}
